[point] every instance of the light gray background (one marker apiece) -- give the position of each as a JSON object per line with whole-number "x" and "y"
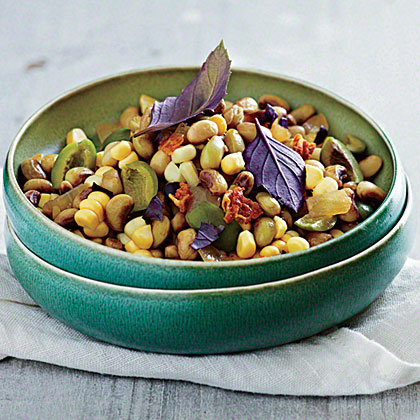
{"x": 367, "y": 52}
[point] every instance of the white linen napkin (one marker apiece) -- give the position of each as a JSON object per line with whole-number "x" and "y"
{"x": 375, "y": 351}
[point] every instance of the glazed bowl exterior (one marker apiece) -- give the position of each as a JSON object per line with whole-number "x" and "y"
{"x": 103, "y": 101}
{"x": 215, "y": 320}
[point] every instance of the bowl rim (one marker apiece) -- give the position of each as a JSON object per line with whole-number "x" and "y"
{"x": 222, "y": 290}
{"x": 185, "y": 263}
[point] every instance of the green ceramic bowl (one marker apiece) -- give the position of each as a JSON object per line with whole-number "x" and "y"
{"x": 103, "y": 101}
{"x": 215, "y": 320}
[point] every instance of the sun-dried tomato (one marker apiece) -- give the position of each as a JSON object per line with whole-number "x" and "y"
{"x": 182, "y": 197}
{"x": 238, "y": 207}
{"x": 303, "y": 147}
{"x": 171, "y": 143}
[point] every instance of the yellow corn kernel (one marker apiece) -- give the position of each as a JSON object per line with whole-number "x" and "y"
{"x": 279, "y": 132}
{"x": 280, "y": 225}
{"x": 269, "y": 251}
{"x": 314, "y": 176}
{"x": 156, "y": 253}
{"x": 246, "y": 246}
{"x": 99, "y": 196}
{"x": 107, "y": 159}
{"x": 336, "y": 232}
{"x": 127, "y": 115}
{"x": 53, "y": 196}
{"x": 146, "y": 101}
{"x": 173, "y": 174}
{"x": 44, "y": 199}
{"x": 78, "y": 233}
{"x": 131, "y": 247}
{"x": 143, "y": 237}
{"x": 102, "y": 170}
{"x": 316, "y": 154}
{"x": 289, "y": 234}
{"x": 297, "y": 244}
{"x": 123, "y": 238}
{"x": 99, "y": 157}
{"x": 100, "y": 231}
{"x": 121, "y": 150}
{"x": 143, "y": 253}
{"x": 233, "y": 163}
{"x": 87, "y": 218}
{"x": 189, "y": 172}
{"x": 280, "y": 245}
{"x": 326, "y": 185}
{"x": 184, "y": 154}
{"x": 95, "y": 206}
{"x": 220, "y": 122}
{"x": 132, "y": 157}
{"x": 133, "y": 225}
{"x": 98, "y": 240}
{"x": 75, "y": 135}
{"x": 90, "y": 180}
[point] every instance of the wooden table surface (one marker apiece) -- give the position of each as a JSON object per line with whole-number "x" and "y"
{"x": 367, "y": 52}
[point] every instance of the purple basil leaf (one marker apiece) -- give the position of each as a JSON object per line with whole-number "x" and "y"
{"x": 202, "y": 94}
{"x": 206, "y": 235}
{"x": 154, "y": 210}
{"x": 284, "y": 123}
{"x": 269, "y": 115}
{"x": 321, "y": 135}
{"x": 277, "y": 168}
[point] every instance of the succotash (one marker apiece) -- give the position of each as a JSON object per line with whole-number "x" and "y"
{"x": 220, "y": 181}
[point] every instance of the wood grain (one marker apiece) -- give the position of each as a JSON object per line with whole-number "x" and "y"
{"x": 37, "y": 391}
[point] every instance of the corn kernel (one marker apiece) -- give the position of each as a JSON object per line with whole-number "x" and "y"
{"x": 280, "y": 225}
{"x": 326, "y": 185}
{"x": 53, "y": 196}
{"x": 99, "y": 157}
{"x": 95, "y": 206}
{"x": 132, "y": 157}
{"x": 123, "y": 238}
{"x": 289, "y": 234}
{"x": 43, "y": 199}
{"x": 98, "y": 240}
{"x": 121, "y": 150}
{"x": 107, "y": 159}
{"x": 269, "y": 251}
{"x": 233, "y": 163}
{"x": 78, "y": 233}
{"x": 279, "y": 132}
{"x": 316, "y": 154}
{"x": 184, "y": 153}
{"x": 87, "y": 218}
{"x": 246, "y": 246}
{"x": 102, "y": 170}
{"x": 173, "y": 174}
{"x": 133, "y": 225}
{"x": 220, "y": 122}
{"x": 143, "y": 253}
{"x": 189, "y": 172}
{"x": 99, "y": 196}
{"x": 297, "y": 244}
{"x": 280, "y": 245}
{"x": 93, "y": 179}
{"x": 156, "y": 253}
{"x": 100, "y": 231}
{"x": 131, "y": 247}
{"x": 336, "y": 232}
{"x": 127, "y": 115}
{"x": 146, "y": 101}
{"x": 75, "y": 136}
{"x": 314, "y": 176}
{"x": 143, "y": 237}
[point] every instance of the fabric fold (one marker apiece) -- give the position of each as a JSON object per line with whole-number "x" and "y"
{"x": 373, "y": 352}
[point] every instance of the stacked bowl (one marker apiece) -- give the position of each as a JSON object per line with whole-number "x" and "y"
{"x": 193, "y": 307}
